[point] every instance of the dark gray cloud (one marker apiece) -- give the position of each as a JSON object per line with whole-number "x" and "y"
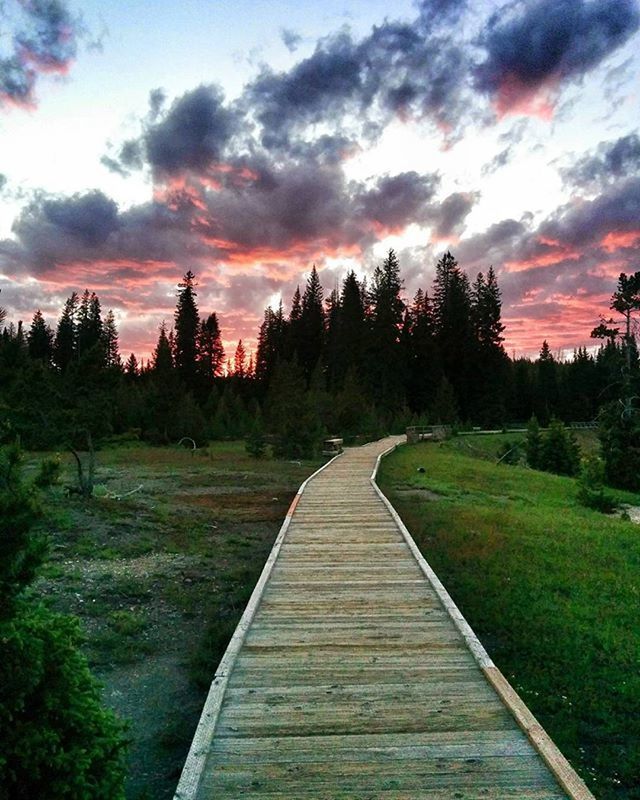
{"x": 501, "y": 237}
{"x": 52, "y": 232}
{"x": 130, "y": 157}
{"x": 531, "y": 43}
{"x": 396, "y": 200}
{"x": 611, "y": 160}
{"x": 157, "y": 99}
{"x": 397, "y": 69}
{"x": 90, "y": 218}
{"x": 291, "y": 39}
{"x": 3, "y": 181}
{"x": 193, "y": 134}
{"x": 451, "y": 213}
{"x": 614, "y": 210}
{"x": 46, "y": 42}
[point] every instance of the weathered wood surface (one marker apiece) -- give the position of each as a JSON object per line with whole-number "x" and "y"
{"x": 352, "y": 680}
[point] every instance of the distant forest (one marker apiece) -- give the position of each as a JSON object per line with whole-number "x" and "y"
{"x": 358, "y": 363}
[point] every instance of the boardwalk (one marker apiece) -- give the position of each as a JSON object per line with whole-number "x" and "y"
{"x": 349, "y": 678}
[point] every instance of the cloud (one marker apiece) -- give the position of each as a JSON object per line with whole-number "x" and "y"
{"x": 532, "y": 47}
{"x": 398, "y": 69}
{"x": 396, "y": 200}
{"x": 46, "y": 43}
{"x": 451, "y": 213}
{"x": 612, "y": 160}
{"x": 498, "y": 161}
{"x": 291, "y": 39}
{"x": 193, "y": 134}
{"x": 3, "y": 181}
{"x": 441, "y": 12}
{"x": 615, "y": 210}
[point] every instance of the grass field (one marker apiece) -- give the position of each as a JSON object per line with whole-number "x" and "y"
{"x": 159, "y": 579}
{"x": 551, "y": 588}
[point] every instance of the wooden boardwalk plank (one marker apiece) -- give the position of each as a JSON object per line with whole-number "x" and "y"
{"x": 351, "y": 677}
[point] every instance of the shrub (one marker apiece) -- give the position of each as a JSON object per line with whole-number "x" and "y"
{"x": 510, "y": 452}
{"x": 591, "y": 485}
{"x": 620, "y": 445}
{"x": 560, "y": 452}
{"x": 58, "y": 742}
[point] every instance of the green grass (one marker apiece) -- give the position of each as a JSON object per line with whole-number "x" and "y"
{"x": 551, "y": 588}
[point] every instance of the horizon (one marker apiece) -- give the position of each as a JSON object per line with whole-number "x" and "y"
{"x": 250, "y": 145}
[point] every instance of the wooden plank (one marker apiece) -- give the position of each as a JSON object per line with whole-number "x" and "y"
{"x": 352, "y": 679}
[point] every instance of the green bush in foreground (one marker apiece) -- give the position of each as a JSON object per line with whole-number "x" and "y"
{"x": 58, "y": 742}
{"x": 591, "y": 485}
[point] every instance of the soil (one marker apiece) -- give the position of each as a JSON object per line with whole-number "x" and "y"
{"x": 149, "y": 574}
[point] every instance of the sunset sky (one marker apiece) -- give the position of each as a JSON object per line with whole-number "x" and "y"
{"x": 248, "y": 140}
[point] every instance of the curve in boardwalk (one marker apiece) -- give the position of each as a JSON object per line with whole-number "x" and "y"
{"x": 353, "y": 675}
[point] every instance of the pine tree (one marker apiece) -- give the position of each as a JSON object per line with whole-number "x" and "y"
{"x": 131, "y": 369}
{"x": 312, "y": 322}
{"x": 454, "y": 331}
{"x": 210, "y": 349}
{"x": 90, "y": 328}
{"x": 187, "y": 327}
{"x": 240, "y": 361}
{"x": 271, "y": 344}
{"x": 424, "y": 372}
{"x": 64, "y": 347}
{"x": 351, "y": 330}
{"x": 546, "y": 400}
{"x": 491, "y": 360}
{"x": 110, "y": 342}
{"x": 294, "y": 331}
{"x": 386, "y": 315}
{"x": 40, "y": 339}
{"x": 162, "y": 358}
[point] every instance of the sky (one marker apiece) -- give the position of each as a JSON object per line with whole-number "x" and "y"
{"x": 247, "y": 141}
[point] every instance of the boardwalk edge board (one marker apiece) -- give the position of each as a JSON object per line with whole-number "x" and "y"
{"x": 192, "y": 771}
{"x": 564, "y": 773}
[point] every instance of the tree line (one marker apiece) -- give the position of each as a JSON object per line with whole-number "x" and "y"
{"x": 360, "y": 361}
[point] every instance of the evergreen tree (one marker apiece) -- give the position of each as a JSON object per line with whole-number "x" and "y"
{"x": 491, "y": 363}
{"x": 90, "y": 328}
{"x": 294, "y": 330}
{"x": 454, "y": 332}
{"x": 386, "y": 315}
{"x": 424, "y": 372}
{"x": 131, "y": 369}
{"x": 560, "y": 453}
{"x": 271, "y": 344}
{"x": 291, "y": 415}
{"x": 162, "y": 358}
{"x": 546, "y": 401}
{"x": 240, "y": 361}
{"x": 40, "y": 339}
{"x": 311, "y": 339}
{"x": 110, "y": 342}
{"x": 64, "y": 347}
{"x": 444, "y": 408}
{"x": 210, "y": 349}
{"x": 349, "y": 346}
{"x": 187, "y": 328}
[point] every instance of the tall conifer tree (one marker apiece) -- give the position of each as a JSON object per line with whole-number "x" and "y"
{"x": 40, "y": 339}
{"x": 312, "y": 324}
{"x": 187, "y": 326}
